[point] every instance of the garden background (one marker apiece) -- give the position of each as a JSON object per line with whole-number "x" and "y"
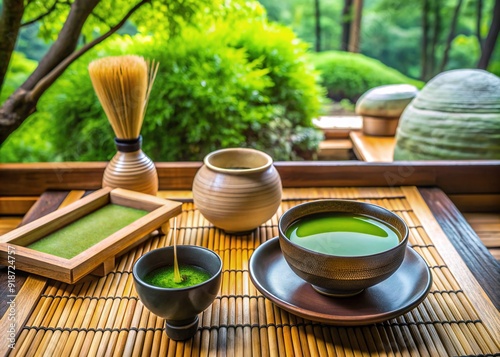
{"x": 232, "y": 73}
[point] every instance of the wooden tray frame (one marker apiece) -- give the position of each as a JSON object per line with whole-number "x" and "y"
{"x": 98, "y": 259}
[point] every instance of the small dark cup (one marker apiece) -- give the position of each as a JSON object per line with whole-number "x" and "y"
{"x": 178, "y": 306}
{"x": 341, "y": 276}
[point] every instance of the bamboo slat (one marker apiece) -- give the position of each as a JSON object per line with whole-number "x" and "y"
{"x": 104, "y": 316}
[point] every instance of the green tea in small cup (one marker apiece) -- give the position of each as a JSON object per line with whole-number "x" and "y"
{"x": 343, "y": 234}
{"x": 164, "y": 277}
{"x": 201, "y": 277}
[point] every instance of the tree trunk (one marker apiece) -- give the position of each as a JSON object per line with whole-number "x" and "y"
{"x": 436, "y": 32}
{"x": 451, "y": 36}
{"x": 346, "y": 22}
{"x": 10, "y": 22}
{"x": 425, "y": 40}
{"x": 479, "y": 18}
{"x": 317, "y": 16}
{"x": 490, "y": 40}
{"x": 355, "y": 34}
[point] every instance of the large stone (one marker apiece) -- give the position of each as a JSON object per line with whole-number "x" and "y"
{"x": 387, "y": 101}
{"x": 456, "y": 116}
{"x": 382, "y": 106}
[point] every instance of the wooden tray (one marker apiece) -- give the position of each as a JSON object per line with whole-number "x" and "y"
{"x": 99, "y": 259}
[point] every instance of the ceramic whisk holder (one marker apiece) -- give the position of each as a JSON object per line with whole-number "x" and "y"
{"x": 237, "y": 189}
{"x": 131, "y": 169}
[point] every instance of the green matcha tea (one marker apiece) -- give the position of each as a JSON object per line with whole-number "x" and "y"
{"x": 343, "y": 234}
{"x": 83, "y": 233}
{"x": 164, "y": 277}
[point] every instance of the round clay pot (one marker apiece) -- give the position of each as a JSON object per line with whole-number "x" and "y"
{"x": 237, "y": 189}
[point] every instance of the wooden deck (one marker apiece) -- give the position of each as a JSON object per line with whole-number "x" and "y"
{"x": 372, "y": 148}
{"x": 487, "y": 227}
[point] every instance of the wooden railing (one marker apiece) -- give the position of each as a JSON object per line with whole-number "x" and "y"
{"x": 472, "y": 185}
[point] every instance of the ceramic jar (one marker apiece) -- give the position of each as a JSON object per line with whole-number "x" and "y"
{"x": 237, "y": 189}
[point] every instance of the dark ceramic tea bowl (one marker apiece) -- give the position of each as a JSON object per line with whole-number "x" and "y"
{"x": 339, "y": 275}
{"x": 178, "y": 306}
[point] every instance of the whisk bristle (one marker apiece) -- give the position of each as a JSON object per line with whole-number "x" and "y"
{"x": 123, "y": 85}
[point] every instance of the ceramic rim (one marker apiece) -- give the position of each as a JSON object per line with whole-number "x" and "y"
{"x": 264, "y": 161}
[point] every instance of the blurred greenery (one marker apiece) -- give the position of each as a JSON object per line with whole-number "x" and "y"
{"x": 26, "y": 145}
{"x": 228, "y": 77}
{"x": 348, "y": 75}
{"x": 19, "y": 69}
{"x": 391, "y": 30}
{"x": 299, "y": 16}
{"x": 240, "y": 83}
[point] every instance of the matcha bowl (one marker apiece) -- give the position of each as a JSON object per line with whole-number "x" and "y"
{"x": 179, "y": 306}
{"x": 342, "y": 247}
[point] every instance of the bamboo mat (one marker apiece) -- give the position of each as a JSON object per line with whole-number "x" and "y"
{"x": 104, "y": 316}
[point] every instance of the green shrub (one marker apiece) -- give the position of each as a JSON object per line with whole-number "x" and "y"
{"x": 348, "y": 75}
{"x": 248, "y": 87}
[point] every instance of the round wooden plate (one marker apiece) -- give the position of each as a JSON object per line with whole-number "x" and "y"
{"x": 398, "y": 294}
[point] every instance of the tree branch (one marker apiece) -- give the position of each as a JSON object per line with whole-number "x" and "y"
{"x": 66, "y": 42}
{"x": 479, "y": 16}
{"x": 100, "y": 19}
{"x": 425, "y": 40}
{"x": 41, "y": 16}
{"x": 451, "y": 35}
{"x": 45, "y": 83}
{"x": 490, "y": 41}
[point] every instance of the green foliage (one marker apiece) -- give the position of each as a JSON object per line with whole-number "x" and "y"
{"x": 391, "y": 30}
{"x": 27, "y": 144}
{"x": 164, "y": 16}
{"x": 19, "y": 69}
{"x": 22, "y": 145}
{"x": 395, "y": 44}
{"x": 243, "y": 84}
{"x": 299, "y": 16}
{"x": 464, "y": 52}
{"x": 283, "y": 56}
{"x": 349, "y": 75}
{"x": 30, "y": 44}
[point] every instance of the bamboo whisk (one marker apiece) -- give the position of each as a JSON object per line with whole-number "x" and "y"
{"x": 123, "y": 85}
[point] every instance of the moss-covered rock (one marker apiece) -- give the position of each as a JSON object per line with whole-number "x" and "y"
{"x": 387, "y": 101}
{"x": 456, "y": 116}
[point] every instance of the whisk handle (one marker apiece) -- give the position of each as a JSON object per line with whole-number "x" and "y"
{"x": 128, "y": 145}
